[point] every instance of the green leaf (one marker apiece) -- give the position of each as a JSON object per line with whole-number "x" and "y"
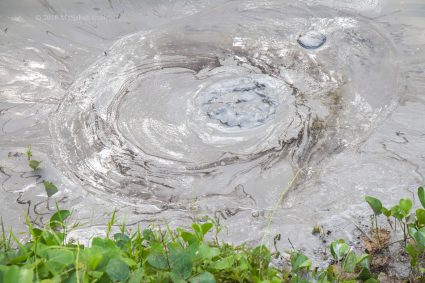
{"x": 93, "y": 257}
{"x": 206, "y": 227}
{"x": 375, "y": 204}
{"x": 122, "y": 239}
{"x": 204, "y": 277}
{"x": 36, "y": 233}
{"x": 148, "y": 235}
{"x": 299, "y": 261}
{"x": 96, "y": 274}
{"x": 413, "y": 254}
{"x": 56, "y": 279}
{"x": 136, "y": 276}
{"x": 43, "y": 271}
{"x": 206, "y": 252}
{"x": 117, "y": 270}
{"x": 330, "y": 272}
{"x": 58, "y": 219}
{"x": 181, "y": 264}
{"x": 397, "y": 212}
{"x": 421, "y": 195}
{"x": 50, "y": 188}
{"x": 52, "y": 238}
{"x": 420, "y": 236}
{"x": 349, "y": 264}
{"x": 364, "y": 274}
{"x": 386, "y": 212}
{"x": 158, "y": 261}
{"x": 420, "y": 216}
{"x": 339, "y": 249}
{"x": 262, "y": 256}
{"x": 175, "y": 278}
{"x": 72, "y": 277}
{"x": 243, "y": 263}
{"x": 18, "y": 274}
{"x": 306, "y": 264}
{"x": 187, "y": 237}
{"x": 157, "y": 247}
{"x": 34, "y": 164}
{"x": 130, "y": 262}
{"x": 364, "y": 260}
{"x": 224, "y": 263}
{"x": 405, "y": 205}
{"x": 412, "y": 231}
{"x": 197, "y": 228}
{"x": 107, "y": 245}
{"x": 59, "y": 259}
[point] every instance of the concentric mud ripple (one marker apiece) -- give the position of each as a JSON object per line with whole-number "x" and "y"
{"x": 212, "y": 102}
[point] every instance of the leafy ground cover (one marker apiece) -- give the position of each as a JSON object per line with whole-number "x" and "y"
{"x": 195, "y": 254}
{"x": 162, "y": 255}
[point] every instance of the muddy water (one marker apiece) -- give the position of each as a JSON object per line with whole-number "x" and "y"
{"x": 272, "y": 117}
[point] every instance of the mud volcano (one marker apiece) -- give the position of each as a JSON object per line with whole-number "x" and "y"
{"x": 204, "y": 107}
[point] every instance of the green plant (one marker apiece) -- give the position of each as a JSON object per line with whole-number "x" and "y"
{"x": 400, "y": 212}
{"x": 50, "y": 188}
{"x": 29, "y": 152}
{"x": 412, "y": 226}
{"x": 34, "y": 164}
{"x": 151, "y": 255}
{"x": 158, "y": 255}
{"x": 378, "y": 209}
{"x": 347, "y": 267}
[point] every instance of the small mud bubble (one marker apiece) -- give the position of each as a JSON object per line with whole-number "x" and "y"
{"x": 312, "y": 39}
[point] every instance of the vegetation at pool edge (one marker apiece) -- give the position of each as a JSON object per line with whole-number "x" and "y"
{"x": 161, "y": 255}
{"x": 164, "y": 255}
{"x": 412, "y": 226}
{"x": 180, "y": 255}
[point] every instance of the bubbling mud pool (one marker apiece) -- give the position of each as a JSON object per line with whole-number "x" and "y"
{"x": 220, "y": 95}
{"x": 271, "y": 117}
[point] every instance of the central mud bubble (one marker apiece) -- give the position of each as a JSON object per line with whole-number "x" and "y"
{"x": 242, "y": 103}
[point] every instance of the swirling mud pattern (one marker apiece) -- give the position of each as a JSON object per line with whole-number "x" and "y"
{"x": 201, "y": 108}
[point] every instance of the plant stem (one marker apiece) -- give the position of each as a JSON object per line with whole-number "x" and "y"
{"x": 377, "y": 230}
{"x": 389, "y": 222}
{"x": 403, "y": 226}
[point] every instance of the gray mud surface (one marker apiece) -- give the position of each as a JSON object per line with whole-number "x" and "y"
{"x": 169, "y": 110}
